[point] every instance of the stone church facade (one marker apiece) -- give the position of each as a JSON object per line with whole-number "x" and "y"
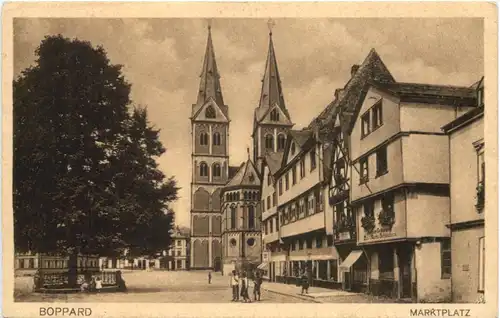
{"x": 212, "y": 235}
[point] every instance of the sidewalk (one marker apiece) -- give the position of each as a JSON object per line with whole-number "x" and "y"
{"x": 324, "y": 295}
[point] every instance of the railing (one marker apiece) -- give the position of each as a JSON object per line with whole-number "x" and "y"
{"x": 54, "y": 280}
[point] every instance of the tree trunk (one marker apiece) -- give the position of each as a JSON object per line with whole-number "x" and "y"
{"x": 73, "y": 269}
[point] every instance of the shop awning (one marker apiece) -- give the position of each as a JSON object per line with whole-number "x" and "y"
{"x": 262, "y": 266}
{"x": 350, "y": 260}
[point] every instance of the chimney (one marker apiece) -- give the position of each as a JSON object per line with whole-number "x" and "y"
{"x": 354, "y": 69}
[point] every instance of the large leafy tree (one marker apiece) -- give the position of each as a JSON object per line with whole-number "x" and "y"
{"x": 86, "y": 178}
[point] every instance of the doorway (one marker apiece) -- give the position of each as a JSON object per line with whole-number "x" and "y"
{"x": 405, "y": 254}
{"x": 217, "y": 264}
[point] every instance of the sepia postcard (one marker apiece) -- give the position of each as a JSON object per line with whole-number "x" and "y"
{"x": 250, "y": 159}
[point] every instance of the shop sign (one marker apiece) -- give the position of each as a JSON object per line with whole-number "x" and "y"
{"x": 379, "y": 234}
{"x": 344, "y": 236}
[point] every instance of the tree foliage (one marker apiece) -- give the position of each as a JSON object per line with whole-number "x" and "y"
{"x": 86, "y": 178}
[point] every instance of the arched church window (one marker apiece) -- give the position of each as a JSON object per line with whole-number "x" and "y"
{"x": 281, "y": 142}
{"x": 245, "y": 195}
{"x": 233, "y": 217}
{"x": 210, "y": 112}
{"x": 216, "y": 172}
{"x": 275, "y": 115}
{"x": 204, "y": 139}
{"x": 216, "y": 139}
{"x": 269, "y": 142}
{"x": 251, "y": 217}
{"x": 203, "y": 170}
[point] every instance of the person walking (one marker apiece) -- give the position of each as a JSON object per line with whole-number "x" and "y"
{"x": 256, "y": 286}
{"x": 235, "y": 286}
{"x": 244, "y": 288}
{"x": 209, "y": 277}
{"x": 304, "y": 283}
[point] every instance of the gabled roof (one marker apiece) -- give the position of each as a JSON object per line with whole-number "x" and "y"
{"x": 246, "y": 176}
{"x": 273, "y": 161}
{"x": 431, "y": 93}
{"x": 347, "y": 99}
{"x": 210, "y": 80}
{"x": 300, "y": 137}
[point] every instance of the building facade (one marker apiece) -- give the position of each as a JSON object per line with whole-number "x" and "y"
{"x": 400, "y": 187}
{"x": 178, "y": 254}
{"x": 467, "y": 193}
{"x": 210, "y": 165}
{"x": 241, "y": 233}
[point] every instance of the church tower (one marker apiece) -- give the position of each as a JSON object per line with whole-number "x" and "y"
{"x": 271, "y": 120}
{"x": 210, "y": 165}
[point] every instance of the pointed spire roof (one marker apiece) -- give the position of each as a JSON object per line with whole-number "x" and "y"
{"x": 210, "y": 79}
{"x": 271, "y": 92}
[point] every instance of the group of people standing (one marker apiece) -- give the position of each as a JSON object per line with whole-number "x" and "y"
{"x": 240, "y": 285}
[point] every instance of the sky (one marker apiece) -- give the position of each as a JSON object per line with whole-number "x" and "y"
{"x": 162, "y": 59}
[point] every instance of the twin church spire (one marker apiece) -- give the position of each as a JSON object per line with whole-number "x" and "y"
{"x": 210, "y": 87}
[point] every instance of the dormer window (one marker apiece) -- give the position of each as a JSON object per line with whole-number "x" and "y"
{"x": 275, "y": 115}
{"x": 281, "y": 142}
{"x": 210, "y": 112}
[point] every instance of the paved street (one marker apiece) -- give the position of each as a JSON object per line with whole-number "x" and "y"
{"x": 155, "y": 286}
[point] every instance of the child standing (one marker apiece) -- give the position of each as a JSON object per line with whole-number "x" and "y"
{"x": 244, "y": 287}
{"x": 98, "y": 284}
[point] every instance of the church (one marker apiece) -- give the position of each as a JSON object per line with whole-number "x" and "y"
{"x": 226, "y": 200}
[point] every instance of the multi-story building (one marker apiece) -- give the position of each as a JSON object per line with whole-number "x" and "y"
{"x": 467, "y": 192}
{"x": 210, "y": 165}
{"x": 241, "y": 233}
{"x": 400, "y": 186}
{"x": 178, "y": 253}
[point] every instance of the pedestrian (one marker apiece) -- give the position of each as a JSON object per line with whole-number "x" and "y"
{"x": 304, "y": 283}
{"x": 235, "y": 286}
{"x": 256, "y": 287}
{"x": 244, "y": 288}
{"x": 209, "y": 277}
{"x": 98, "y": 284}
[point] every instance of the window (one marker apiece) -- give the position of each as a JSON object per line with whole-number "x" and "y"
{"x": 203, "y": 170}
{"x": 306, "y": 206}
{"x": 377, "y": 115}
{"x": 294, "y": 174}
{"x": 269, "y": 180}
{"x": 302, "y": 168}
{"x": 233, "y": 242}
{"x": 446, "y": 258}
{"x": 275, "y": 115}
{"x": 388, "y": 204}
{"x": 382, "y": 161}
{"x": 281, "y": 142}
{"x": 216, "y": 172}
{"x": 216, "y": 139}
{"x": 280, "y": 186}
{"x": 293, "y": 246}
{"x": 178, "y": 243}
{"x": 309, "y": 243}
{"x": 204, "y": 139}
{"x": 269, "y": 142}
{"x": 274, "y": 199}
{"x": 178, "y": 253}
{"x": 482, "y": 253}
{"x": 301, "y": 244}
{"x": 268, "y": 202}
{"x": 368, "y": 208}
{"x": 210, "y": 112}
{"x": 287, "y": 181}
{"x": 313, "y": 160}
{"x": 365, "y": 124}
{"x": 333, "y": 270}
{"x": 319, "y": 242}
{"x": 480, "y": 188}
{"x": 321, "y": 200}
{"x": 251, "y": 217}
{"x": 363, "y": 170}
{"x": 179, "y": 263}
{"x": 233, "y": 217}
{"x": 292, "y": 149}
{"x": 251, "y": 241}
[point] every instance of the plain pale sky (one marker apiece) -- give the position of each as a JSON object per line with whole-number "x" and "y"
{"x": 162, "y": 59}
